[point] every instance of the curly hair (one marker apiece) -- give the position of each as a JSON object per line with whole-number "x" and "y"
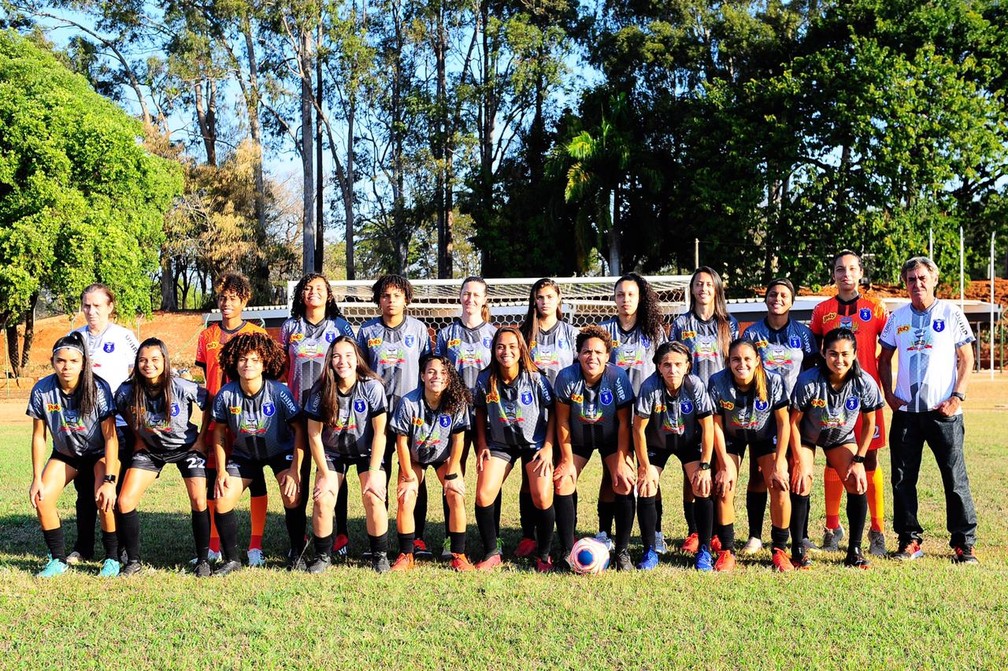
{"x": 759, "y": 374}
{"x": 530, "y": 326}
{"x": 649, "y": 316}
{"x": 720, "y": 306}
{"x": 525, "y": 362}
{"x": 86, "y": 392}
{"x": 386, "y": 282}
{"x": 456, "y": 395}
{"x": 298, "y": 307}
{"x": 593, "y": 331}
{"x": 274, "y": 359}
{"x": 144, "y": 389}
{"x": 231, "y": 281}
{"x": 328, "y": 384}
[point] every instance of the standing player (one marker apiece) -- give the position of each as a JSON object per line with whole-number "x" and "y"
{"x": 786, "y": 348}
{"x": 315, "y": 322}
{"x": 264, "y": 419}
{"x": 233, "y": 293}
{"x": 76, "y": 407}
{"x": 392, "y": 345}
{"x": 865, "y": 317}
{"x": 110, "y": 349}
{"x": 466, "y": 343}
{"x": 636, "y": 331}
{"x": 706, "y": 329}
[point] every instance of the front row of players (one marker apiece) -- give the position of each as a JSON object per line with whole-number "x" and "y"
{"x": 551, "y": 431}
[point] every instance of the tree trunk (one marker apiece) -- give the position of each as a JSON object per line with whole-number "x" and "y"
{"x": 168, "y": 299}
{"x": 206, "y": 117}
{"x": 319, "y": 200}
{"x": 307, "y": 155}
{"x": 13, "y": 354}
{"x": 29, "y": 330}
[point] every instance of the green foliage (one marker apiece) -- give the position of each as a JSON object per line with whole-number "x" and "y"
{"x": 80, "y": 198}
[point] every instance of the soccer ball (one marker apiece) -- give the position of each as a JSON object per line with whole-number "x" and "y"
{"x": 588, "y": 556}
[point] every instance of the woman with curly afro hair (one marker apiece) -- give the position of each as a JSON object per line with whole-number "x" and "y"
{"x": 264, "y": 418}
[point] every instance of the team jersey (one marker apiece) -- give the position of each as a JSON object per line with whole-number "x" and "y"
{"x": 306, "y": 345}
{"x": 468, "y": 348}
{"x": 427, "y": 430}
{"x": 165, "y": 432}
{"x": 350, "y": 434}
{"x": 111, "y": 354}
{"x": 744, "y": 417}
{"x": 927, "y": 342}
{"x": 633, "y": 351}
{"x": 394, "y": 354}
{"x": 553, "y": 350}
{"x": 829, "y": 414}
{"x": 593, "y": 408}
{"x": 783, "y": 351}
{"x": 259, "y": 423}
{"x": 673, "y": 420}
{"x": 72, "y": 434}
{"x": 517, "y": 413}
{"x": 208, "y": 348}
{"x": 866, "y": 317}
{"x": 701, "y": 337}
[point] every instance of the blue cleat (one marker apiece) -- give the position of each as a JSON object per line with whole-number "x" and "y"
{"x": 649, "y": 561}
{"x": 110, "y": 568}
{"x": 704, "y": 560}
{"x": 54, "y": 568}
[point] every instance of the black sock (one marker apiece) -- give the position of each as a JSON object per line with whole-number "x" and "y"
{"x": 659, "y": 509}
{"x": 799, "y": 515}
{"x": 526, "y": 513}
{"x": 778, "y": 538}
{"x": 129, "y": 533}
{"x": 378, "y": 545}
{"x": 406, "y": 543}
{"x": 487, "y": 529}
{"x": 87, "y": 512}
{"x": 420, "y": 511}
{"x": 54, "y": 541}
{"x": 227, "y": 528}
{"x": 458, "y": 542}
{"x": 726, "y": 534}
{"x": 857, "y": 511}
{"x": 566, "y": 514}
{"x": 306, "y": 464}
{"x": 690, "y": 515}
{"x": 545, "y": 521}
{"x": 624, "y": 509}
{"x": 296, "y": 526}
{"x": 323, "y": 545}
{"x": 808, "y": 513}
{"x": 703, "y": 511}
{"x": 340, "y": 511}
{"x": 447, "y": 514}
{"x": 606, "y": 515}
{"x": 646, "y": 516}
{"x": 110, "y": 541}
{"x": 201, "y": 533}
{"x": 755, "y": 505}
{"x": 497, "y": 511}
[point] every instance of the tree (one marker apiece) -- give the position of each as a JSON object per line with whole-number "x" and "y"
{"x": 80, "y": 199}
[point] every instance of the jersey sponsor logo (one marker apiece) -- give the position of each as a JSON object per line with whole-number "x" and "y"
{"x": 330, "y": 336}
{"x": 108, "y": 347}
{"x": 688, "y": 335}
{"x": 902, "y": 329}
{"x": 817, "y": 403}
{"x": 417, "y": 421}
{"x": 828, "y": 317}
{"x": 269, "y": 409}
{"x": 235, "y": 409}
{"x": 454, "y": 342}
{"x": 616, "y": 343}
{"x": 686, "y": 407}
{"x": 794, "y": 341}
{"x": 175, "y": 409}
{"x": 763, "y": 343}
{"x": 577, "y": 398}
{"x": 297, "y": 337}
{"x": 526, "y": 398}
{"x": 444, "y": 421}
{"x": 761, "y": 405}
{"x": 374, "y": 342}
{"x": 726, "y": 405}
{"x": 493, "y": 397}
{"x": 938, "y": 325}
{"x": 214, "y": 344}
{"x": 53, "y": 407}
{"x": 864, "y": 314}
{"x": 359, "y": 405}
{"x": 852, "y": 403}
{"x": 605, "y": 397}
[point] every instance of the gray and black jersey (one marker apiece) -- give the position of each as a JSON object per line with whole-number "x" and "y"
{"x": 259, "y": 423}
{"x": 306, "y": 345}
{"x": 701, "y": 337}
{"x": 72, "y": 434}
{"x": 783, "y": 351}
{"x": 673, "y": 419}
{"x": 633, "y": 351}
{"x": 593, "y": 408}
{"x": 165, "y": 431}
{"x": 393, "y": 353}
{"x": 349, "y": 435}
{"x": 517, "y": 413}
{"x": 468, "y": 348}
{"x": 553, "y": 349}
{"x": 745, "y": 418}
{"x": 829, "y": 414}
{"x": 428, "y": 431}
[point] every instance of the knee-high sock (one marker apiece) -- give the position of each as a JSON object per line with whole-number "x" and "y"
{"x": 497, "y": 504}
{"x": 227, "y": 525}
{"x": 690, "y": 517}
{"x": 566, "y": 519}
{"x": 658, "y": 509}
{"x": 201, "y": 533}
{"x": 87, "y": 512}
{"x": 296, "y": 525}
{"x": 129, "y": 533}
{"x": 834, "y": 490}
{"x": 624, "y": 513}
{"x": 487, "y": 529}
{"x": 799, "y": 511}
{"x": 420, "y": 511}
{"x": 857, "y": 511}
{"x": 876, "y": 499}
{"x": 755, "y": 503}
{"x": 646, "y": 518}
{"x": 340, "y": 512}
{"x": 606, "y": 514}
{"x": 526, "y": 511}
{"x": 545, "y": 521}
{"x": 214, "y": 532}
{"x": 257, "y": 520}
{"x": 703, "y": 510}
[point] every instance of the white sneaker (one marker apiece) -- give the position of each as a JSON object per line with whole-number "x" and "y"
{"x": 256, "y": 558}
{"x": 603, "y": 538}
{"x": 659, "y": 543}
{"x": 752, "y": 546}
{"x": 876, "y": 543}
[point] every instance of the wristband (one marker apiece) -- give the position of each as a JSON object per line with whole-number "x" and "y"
{"x": 704, "y": 465}
{"x": 857, "y": 459}
{"x": 110, "y": 478}
{"x": 961, "y": 396}
{"x": 451, "y": 476}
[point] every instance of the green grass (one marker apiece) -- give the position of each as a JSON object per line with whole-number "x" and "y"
{"x": 930, "y": 613}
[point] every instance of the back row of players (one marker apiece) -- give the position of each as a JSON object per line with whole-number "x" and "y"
{"x": 623, "y": 387}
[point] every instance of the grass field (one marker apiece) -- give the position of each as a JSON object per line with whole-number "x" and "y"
{"x": 928, "y": 614}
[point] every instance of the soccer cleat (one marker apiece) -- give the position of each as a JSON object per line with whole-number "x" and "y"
{"x": 690, "y": 545}
{"x": 404, "y": 562}
{"x": 855, "y": 559}
{"x": 52, "y": 569}
{"x": 752, "y": 546}
{"x": 544, "y": 565}
{"x": 704, "y": 560}
{"x": 781, "y": 561}
{"x": 802, "y": 563}
{"x": 909, "y": 551}
{"x": 603, "y": 538}
{"x": 725, "y": 561}
{"x": 876, "y": 543}
{"x": 227, "y": 568}
{"x": 214, "y": 557}
{"x": 340, "y": 544}
{"x": 660, "y": 546}
{"x": 421, "y": 551}
{"x": 256, "y": 558}
{"x": 809, "y": 545}
{"x": 110, "y": 568}
{"x": 649, "y": 561}
{"x": 490, "y": 563}
{"x": 461, "y": 563}
{"x": 123, "y": 557}
{"x": 446, "y": 553}
{"x": 964, "y": 555}
{"x": 296, "y": 561}
{"x": 831, "y": 539}
{"x": 320, "y": 564}
{"x": 202, "y": 569}
{"x": 129, "y": 568}
{"x": 526, "y": 548}
{"x": 623, "y": 561}
{"x": 75, "y": 558}
{"x": 715, "y": 544}
{"x": 380, "y": 564}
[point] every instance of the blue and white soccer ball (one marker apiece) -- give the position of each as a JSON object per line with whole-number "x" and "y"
{"x": 588, "y": 556}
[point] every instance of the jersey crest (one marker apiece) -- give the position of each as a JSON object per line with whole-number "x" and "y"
{"x": 864, "y": 314}
{"x": 526, "y": 398}
{"x": 938, "y": 325}
{"x": 444, "y": 421}
{"x": 852, "y": 403}
{"x": 108, "y": 347}
{"x": 686, "y": 407}
{"x": 359, "y": 405}
{"x": 761, "y": 405}
{"x": 606, "y": 397}
{"x": 269, "y": 409}
{"x": 409, "y": 340}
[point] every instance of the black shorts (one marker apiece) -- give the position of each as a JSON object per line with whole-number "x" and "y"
{"x": 191, "y": 464}
{"x": 239, "y": 466}
{"x": 586, "y": 452}
{"x": 341, "y": 464}
{"x": 513, "y": 454}
{"x": 760, "y": 448}
{"x": 81, "y": 464}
